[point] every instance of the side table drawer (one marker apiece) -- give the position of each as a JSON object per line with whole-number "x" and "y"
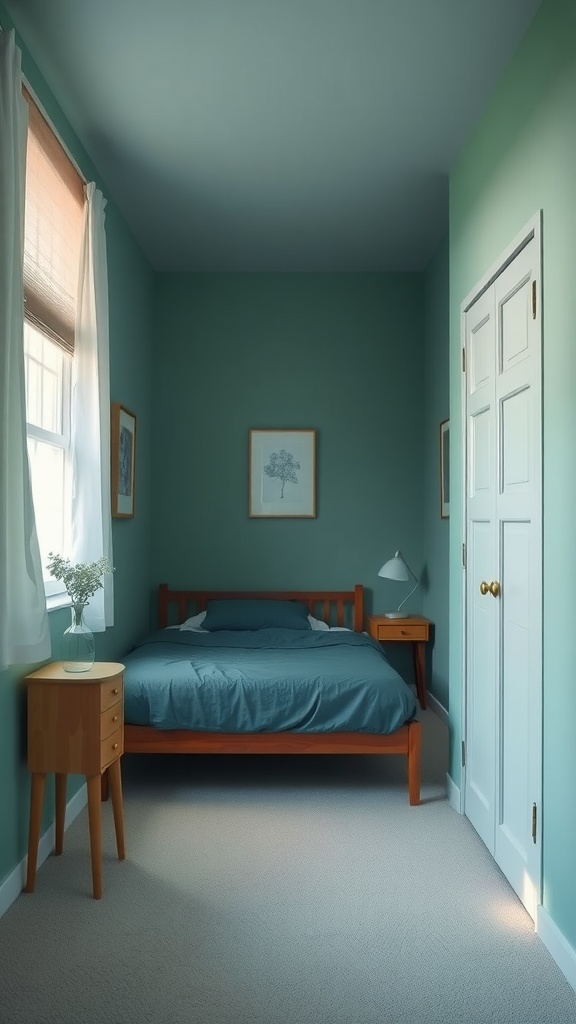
{"x": 110, "y": 693}
{"x": 111, "y": 748}
{"x": 395, "y": 631}
{"x": 111, "y": 720}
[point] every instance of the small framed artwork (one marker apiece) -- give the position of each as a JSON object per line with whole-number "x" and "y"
{"x": 123, "y": 461}
{"x": 445, "y": 469}
{"x": 281, "y": 473}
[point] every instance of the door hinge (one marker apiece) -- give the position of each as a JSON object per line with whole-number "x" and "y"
{"x": 463, "y": 753}
{"x": 534, "y": 289}
{"x": 534, "y": 822}
{"x": 463, "y": 360}
{"x": 463, "y": 556}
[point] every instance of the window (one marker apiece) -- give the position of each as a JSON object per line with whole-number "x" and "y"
{"x": 48, "y": 371}
{"x": 53, "y": 230}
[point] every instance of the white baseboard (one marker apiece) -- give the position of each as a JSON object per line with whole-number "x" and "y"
{"x": 12, "y": 886}
{"x": 438, "y": 708}
{"x": 454, "y": 794}
{"x": 557, "y": 945}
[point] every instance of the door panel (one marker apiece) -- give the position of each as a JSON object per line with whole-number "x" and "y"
{"x": 514, "y": 322}
{"x": 481, "y": 469}
{"x": 481, "y": 707}
{"x": 515, "y": 670}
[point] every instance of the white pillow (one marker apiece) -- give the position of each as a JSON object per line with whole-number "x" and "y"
{"x": 317, "y": 623}
{"x": 194, "y": 624}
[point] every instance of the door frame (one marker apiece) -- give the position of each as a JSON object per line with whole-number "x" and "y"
{"x": 531, "y": 230}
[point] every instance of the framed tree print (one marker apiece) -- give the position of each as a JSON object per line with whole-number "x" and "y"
{"x": 281, "y": 473}
{"x": 122, "y": 461}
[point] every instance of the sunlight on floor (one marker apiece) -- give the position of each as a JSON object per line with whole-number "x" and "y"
{"x": 515, "y": 914}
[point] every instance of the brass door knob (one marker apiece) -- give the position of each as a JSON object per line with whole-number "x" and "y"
{"x": 484, "y": 588}
{"x": 494, "y": 588}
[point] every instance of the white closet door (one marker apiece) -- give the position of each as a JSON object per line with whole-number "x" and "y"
{"x": 504, "y": 548}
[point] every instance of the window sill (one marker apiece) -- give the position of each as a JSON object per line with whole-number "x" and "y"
{"x": 57, "y": 601}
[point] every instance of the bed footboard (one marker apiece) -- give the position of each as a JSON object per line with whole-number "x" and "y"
{"x": 144, "y": 739}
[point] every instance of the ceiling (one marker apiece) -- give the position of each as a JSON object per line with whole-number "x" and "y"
{"x": 280, "y": 135}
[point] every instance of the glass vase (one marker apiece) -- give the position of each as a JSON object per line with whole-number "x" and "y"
{"x": 78, "y": 647}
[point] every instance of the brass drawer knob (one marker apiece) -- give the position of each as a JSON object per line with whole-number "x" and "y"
{"x": 484, "y": 588}
{"x": 115, "y": 718}
{"x": 115, "y": 691}
{"x": 114, "y": 746}
{"x": 495, "y": 588}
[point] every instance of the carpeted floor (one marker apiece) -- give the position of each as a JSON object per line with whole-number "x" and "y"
{"x": 279, "y": 891}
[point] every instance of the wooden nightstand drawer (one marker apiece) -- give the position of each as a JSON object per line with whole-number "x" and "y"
{"x": 111, "y": 720}
{"x": 110, "y": 693}
{"x": 111, "y": 748}
{"x": 394, "y": 630}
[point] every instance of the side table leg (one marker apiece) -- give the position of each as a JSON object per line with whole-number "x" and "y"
{"x": 419, "y": 654}
{"x": 36, "y": 804}
{"x": 117, "y": 807}
{"x": 95, "y": 823}
{"x": 60, "y": 811}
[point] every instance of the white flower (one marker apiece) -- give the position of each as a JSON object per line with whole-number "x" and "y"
{"x": 82, "y": 580}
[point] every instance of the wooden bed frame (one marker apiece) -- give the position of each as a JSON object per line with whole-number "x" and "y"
{"x": 338, "y": 608}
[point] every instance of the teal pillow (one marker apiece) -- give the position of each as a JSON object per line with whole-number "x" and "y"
{"x": 256, "y": 614}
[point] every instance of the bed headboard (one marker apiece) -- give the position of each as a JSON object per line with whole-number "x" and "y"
{"x": 336, "y": 607}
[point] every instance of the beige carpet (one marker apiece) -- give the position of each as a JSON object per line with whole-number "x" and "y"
{"x": 279, "y": 891}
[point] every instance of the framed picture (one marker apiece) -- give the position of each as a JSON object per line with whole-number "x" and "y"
{"x": 445, "y": 469}
{"x": 281, "y": 473}
{"x": 123, "y": 461}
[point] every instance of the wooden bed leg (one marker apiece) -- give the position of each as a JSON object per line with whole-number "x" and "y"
{"x": 414, "y": 736}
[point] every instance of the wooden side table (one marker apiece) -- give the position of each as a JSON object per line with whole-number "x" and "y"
{"x": 412, "y": 629}
{"x": 75, "y": 724}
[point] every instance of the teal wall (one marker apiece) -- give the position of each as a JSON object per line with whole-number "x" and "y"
{"x": 436, "y": 531}
{"x": 342, "y": 354}
{"x": 131, "y": 344}
{"x": 521, "y": 158}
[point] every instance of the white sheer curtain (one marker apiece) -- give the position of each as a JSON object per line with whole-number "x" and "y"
{"x": 91, "y": 509}
{"x": 24, "y": 630}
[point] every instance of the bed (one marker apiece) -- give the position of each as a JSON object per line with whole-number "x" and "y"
{"x": 319, "y": 686}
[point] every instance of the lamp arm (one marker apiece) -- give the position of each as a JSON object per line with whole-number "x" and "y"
{"x": 408, "y": 595}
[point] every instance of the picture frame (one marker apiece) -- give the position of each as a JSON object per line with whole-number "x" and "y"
{"x": 445, "y": 469}
{"x": 282, "y": 474}
{"x": 122, "y": 461}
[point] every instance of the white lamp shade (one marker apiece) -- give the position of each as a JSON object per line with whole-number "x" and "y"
{"x": 396, "y": 569}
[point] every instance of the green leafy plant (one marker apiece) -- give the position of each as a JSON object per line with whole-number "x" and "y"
{"x": 82, "y": 580}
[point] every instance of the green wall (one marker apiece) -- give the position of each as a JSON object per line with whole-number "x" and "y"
{"x": 436, "y": 531}
{"x": 131, "y": 340}
{"x": 340, "y": 353}
{"x": 521, "y": 158}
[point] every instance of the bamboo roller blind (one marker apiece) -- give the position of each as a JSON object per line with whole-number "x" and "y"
{"x": 52, "y": 232}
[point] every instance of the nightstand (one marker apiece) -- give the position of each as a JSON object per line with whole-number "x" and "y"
{"x": 75, "y": 724}
{"x": 411, "y": 629}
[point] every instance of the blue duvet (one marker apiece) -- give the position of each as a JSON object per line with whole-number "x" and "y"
{"x": 266, "y": 680}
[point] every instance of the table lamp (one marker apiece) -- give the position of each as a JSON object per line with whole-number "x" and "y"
{"x": 396, "y": 569}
